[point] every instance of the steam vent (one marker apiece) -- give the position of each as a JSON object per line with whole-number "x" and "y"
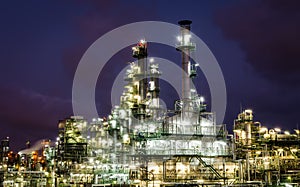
{"x": 142, "y": 144}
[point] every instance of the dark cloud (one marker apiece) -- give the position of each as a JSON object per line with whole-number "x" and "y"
{"x": 30, "y": 115}
{"x": 268, "y": 32}
{"x": 99, "y": 18}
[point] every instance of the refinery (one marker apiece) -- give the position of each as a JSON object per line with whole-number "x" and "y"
{"x": 142, "y": 144}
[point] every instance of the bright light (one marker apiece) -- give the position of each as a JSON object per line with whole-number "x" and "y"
{"x": 187, "y": 38}
{"x": 277, "y": 129}
{"x": 137, "y": 97}
{"x": 263, "y": 129}
{"x": 151, "y": 60}
{"x": 258, "y": 152}
{"x": 196, "y": 65}
{"x": 294, "y": 150}
{"x": 179, "y": 38}
{"x": 237, "y": 130}
{"x": 113, "y": 124}
{"x": 142, "y": 41}
{"x": 287, "y": 132}
{"x": 201, "y": 99}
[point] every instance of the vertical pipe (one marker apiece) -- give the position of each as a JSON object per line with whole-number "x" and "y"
{"x": 185, "y": 52}
{"x": 143, "y": 82}
{"x": 142, "y": 64}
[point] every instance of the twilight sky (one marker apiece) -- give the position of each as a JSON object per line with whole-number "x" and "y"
{"x": 257, "y": 45}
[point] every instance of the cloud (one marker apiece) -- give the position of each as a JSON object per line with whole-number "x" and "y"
{"x": 268, "y": 33}
{"x": 28, "y": 115}
{"x": 99, "y": 18}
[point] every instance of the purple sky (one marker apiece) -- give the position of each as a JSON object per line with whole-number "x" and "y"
{"x": 257, "y": 44}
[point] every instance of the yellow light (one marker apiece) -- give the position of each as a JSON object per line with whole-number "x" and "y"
{"x": 258, "y": 152}
{"x": 237, "y": 130}
{"x": 263, "y": 129}
{"x": 294, "y": 150}
{"x": 277, "y": 129}
{"x": 287, "y": 132}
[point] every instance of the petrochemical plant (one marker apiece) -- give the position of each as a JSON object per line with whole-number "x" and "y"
{"x": 142, "y": 144}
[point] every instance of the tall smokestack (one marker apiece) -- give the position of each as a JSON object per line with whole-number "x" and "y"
{"x": 185, "y": 46}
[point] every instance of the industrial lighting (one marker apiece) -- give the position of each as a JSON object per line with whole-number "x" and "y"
{"x": 258, "y": 152}
{"x": 263, "y": 129}
{"x": 201, "y": 99}
{"x": 237, "y": 130}
{"x": 294, "y": 150}
{"x": 277, "y": 129}
{"x": 179, "y": 38}
{"x": 287, "y": 132}
{"x": 187, "y": 38}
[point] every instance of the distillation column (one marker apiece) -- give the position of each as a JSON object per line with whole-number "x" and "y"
{"x": 185, "y": 47}
{"x": 140, "y": 52}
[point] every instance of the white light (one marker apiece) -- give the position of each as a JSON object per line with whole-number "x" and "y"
{"x": 151, "y": 85}
{"x": 142, "y": 41}
{"x": 187, "y": 38}
{"x": 179, "y": 38}
{"x": 197, "y": 65}
{"x": 202, "y": 99}
{"x": 113, "y": 124}
{"x": 151, "y": 60}
{"x": 277, "y": 129}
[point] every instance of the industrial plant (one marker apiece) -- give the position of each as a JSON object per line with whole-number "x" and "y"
{"x": 142, "y": 144}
